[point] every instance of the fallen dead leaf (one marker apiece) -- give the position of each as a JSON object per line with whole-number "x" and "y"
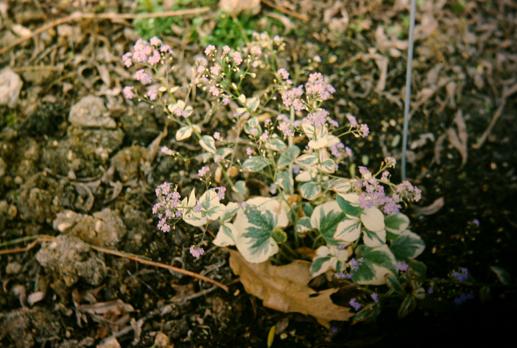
{"x": 458, "y": 139}
{"x": 284, "y": 288}
{"x": 432, "y": 208}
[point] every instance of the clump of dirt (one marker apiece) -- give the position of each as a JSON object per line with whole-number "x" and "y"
{"x": 69, "y": 259}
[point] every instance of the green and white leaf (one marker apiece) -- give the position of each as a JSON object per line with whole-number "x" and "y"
{"x": 349, "y": 203}
{"x": 252, "y": 127}
{"x": 254, "y": 227}
{"x": 184, "y": 133}
{"x": 255, "y": 164}
{"x": 229, "y": 212}
{"x": 307, "y": 160}
{"x": 328, "y": 166}
{"x": 208, "y": 144}
{"x": 348, "y": 230}
{"x": 374, "y": 239}
{"x": 396, "y": 223}
{"x": 276, "y": 144}
{"x": 253, "y": 103}
{"x": 288, "y": 157}
{"x": 325, "y": 218}
{"x": 225, "y": 236}
{"x": 222, "y": 153}
{"x": 241, "y": 190}
{"x": 407, "y": 246}
{"x": 326, "y": 258}
{"x": 340, "y": 185}
{"x": 303, "y": 225}
{"x": 373, "y": 219}
{"x": 285, "y": 181}
{"x": 310, "y": 190}
{"x": 377, "y": 263}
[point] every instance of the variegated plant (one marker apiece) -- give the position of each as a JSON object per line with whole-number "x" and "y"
{"x": 281, "y": 141}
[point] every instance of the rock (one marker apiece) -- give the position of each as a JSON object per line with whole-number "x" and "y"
{"x": 104, "y": 228}
{"x": 127, "y": 162}
{"x": 10, "y": 87}
{"x": 90, "y": 112}
{"x": 70, "y": 259}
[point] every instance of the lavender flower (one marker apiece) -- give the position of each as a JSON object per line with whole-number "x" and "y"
{"x": 196, "y": 251}
{"x": 461, "y": 275}
{"x": 402, "y": 266}
{"x": 355, "y": 304}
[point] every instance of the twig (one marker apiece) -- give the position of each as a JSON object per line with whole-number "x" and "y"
{"x": 141, "y": 260}
{"x": 132, "y": 257}
{"x": 76, "y": 16}
{"x": 285, "y": 10}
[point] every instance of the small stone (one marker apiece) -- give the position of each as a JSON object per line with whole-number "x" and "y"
{"x": 109, "y": 343}
{"x": 10, "y": 87}
{"x": 35, "y": 297}
{"x": 104, "y": 228}
{"x": 70, "y": 259}
{"x": 90, "y": 112}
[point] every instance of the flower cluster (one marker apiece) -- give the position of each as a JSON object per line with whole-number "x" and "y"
{"x": 147, "y": 58}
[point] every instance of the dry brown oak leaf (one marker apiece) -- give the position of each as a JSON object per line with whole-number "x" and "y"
{"x": 284, "y": 288}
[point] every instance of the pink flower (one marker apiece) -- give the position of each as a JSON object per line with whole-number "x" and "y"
{"x": 209, "y": 50}
{"x": 215, "y": 70}
{"x": 284, "y": 75}
{"x": 154, "y": 41}
{"x": 318, "y": 87}
{"x": 226, "y": 100}
{"x": 221, "y": 190}
{"x": 128, "y": 92}
{"x": 196, "y": 251}
{"x": 144, "y": 77}
{"x": 364, "y": 130}
{"x": 203, "y": 171}
{"x": 264, "y": 136}
{"x": 166, "y": 151}
{"x": 256, "y": 50}
{"x": 165, "y": 48}
{"x": 352, "y": 120}
{"x": 292, "y": 98}
{"x": 152, "y": 93}
{"x": 317, "y": 118}
{"x": 237, "y": 58}
{"x": 126, "y": 59}
{"x": 213, "y": 90}
{"x": 249, "y": 151}
{"x": 154, "y": 58}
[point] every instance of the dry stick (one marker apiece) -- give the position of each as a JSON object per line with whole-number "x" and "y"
{"x": 76, "y": 16}
{"x": 285, "y": 11}
{"x": 138, "y": 259}
{"x": 132, "y": 257}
